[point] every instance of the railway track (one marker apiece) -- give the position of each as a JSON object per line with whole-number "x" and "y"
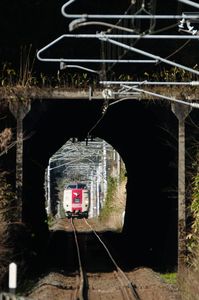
{"x": 88, "y": 285}
{"x": 81, "y": 280}
{"x": 88, "y": 272}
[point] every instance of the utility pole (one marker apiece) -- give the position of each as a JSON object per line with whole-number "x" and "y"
{"x": 104, "y": 165}
{"x": 91, "y": 195}
{"x": 19, "y": 111}
{"x": 49, "y": 211}
{"x": 181, "y": 112}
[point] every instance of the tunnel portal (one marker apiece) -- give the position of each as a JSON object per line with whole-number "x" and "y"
{"x": 142, "y": 133}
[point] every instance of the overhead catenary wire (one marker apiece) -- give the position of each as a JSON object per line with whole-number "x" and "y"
{"x": 142, "y": 10}
{"x": 137, "y": 37}
{"x": 97, "y": 122}
{"x": 177, "y": 50}
{"x": 126, "y": 23}
{"x": 109, "y": 38}
{"x": 152, "y": 26}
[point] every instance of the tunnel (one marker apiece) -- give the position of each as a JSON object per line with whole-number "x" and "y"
{"x": 144, "y": 133}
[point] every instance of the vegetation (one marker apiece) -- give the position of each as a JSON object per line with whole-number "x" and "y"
{"x": 28, "y": 77}
{"x": 14, "y": 236}
{"x": 188, "y": 279}
{"x": 112, "y": 213}
{"x": 170, "y": 278}
{"x": 6, "y": 196}
{"x": 173, "y": 74}
{"x": 109, "y": 204}
{"x": 194, "y": 207}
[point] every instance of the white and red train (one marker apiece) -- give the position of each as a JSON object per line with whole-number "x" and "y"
{"x": 76, "y": 200}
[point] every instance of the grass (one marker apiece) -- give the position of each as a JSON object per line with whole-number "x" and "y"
{"x": 112, "y": 212}
{"x": 170, "y": 278}
{"x": 109, "y": 202}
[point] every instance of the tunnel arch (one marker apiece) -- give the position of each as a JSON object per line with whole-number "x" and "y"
{"x": 92, "y": 162}
{"x": 140, "y": 133}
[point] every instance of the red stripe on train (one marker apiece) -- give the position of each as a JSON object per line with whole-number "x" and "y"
{"x": 77, "y": 200}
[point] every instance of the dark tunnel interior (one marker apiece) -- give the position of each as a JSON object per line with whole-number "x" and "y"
{"x": 142, "y": 132}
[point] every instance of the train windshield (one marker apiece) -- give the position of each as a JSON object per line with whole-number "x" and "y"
{"x": 71, "y": 186}
{"x": 81, "y": 186}
{"x": 77, "y": 186}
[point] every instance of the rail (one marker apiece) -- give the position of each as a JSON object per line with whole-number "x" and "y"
{"x": 80, "y": 287}
{"x": 9, "y": 296}
{"x": 127, "y": 287}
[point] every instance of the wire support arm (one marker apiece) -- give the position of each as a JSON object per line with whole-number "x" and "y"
{"x": 145, "y": 82}
{"x": 139, "y": 51}
{"x": 191, "y": 3}
{"x": 82, "y": 22}
{"x": 107, "y": 37}
{"x": 81, "y": 60}
{"x": 106, "y": 16}
{"x": 195, "y": 105}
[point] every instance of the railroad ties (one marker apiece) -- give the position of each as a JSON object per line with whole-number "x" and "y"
{"x": 107, "y": 285}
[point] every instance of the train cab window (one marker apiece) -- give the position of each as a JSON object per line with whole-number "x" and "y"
{"x": 81, "y": 186}
{"x": 71, "y": 186}
{"x": 76, "y": 186}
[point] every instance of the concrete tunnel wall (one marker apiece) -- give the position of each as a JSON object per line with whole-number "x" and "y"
{"x": 137, "y": 130}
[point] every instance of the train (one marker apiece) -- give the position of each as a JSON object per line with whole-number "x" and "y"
{"x": 76, "y": 200}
